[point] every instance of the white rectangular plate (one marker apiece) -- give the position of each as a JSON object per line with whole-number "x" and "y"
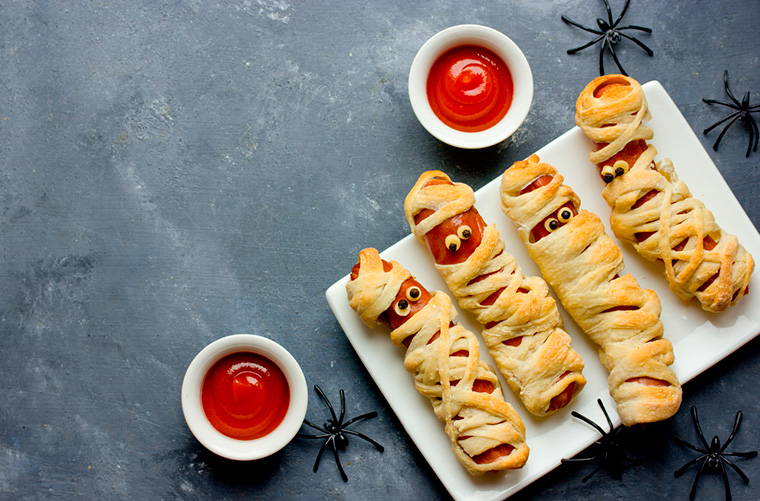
{"x": 700, "y": 339}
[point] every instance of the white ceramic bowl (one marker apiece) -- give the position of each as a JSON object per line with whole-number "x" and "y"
{"x": 213, "y": 440}
{"x": 501, "y": 45}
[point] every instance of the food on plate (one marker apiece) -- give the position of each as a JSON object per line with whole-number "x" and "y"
{"x": 470, "y": 88}
{"x": 521, "y": 324}
{"x": 583, "y": 265}
{"x": 486, "y": 433}
{"x": 651, "y": 208}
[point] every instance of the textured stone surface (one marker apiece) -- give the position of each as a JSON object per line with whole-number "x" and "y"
{"x": 173, "y": 173}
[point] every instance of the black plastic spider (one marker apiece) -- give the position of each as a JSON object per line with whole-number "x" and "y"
{"x": 713, "y": 456}
{"x": 335, "y": 430}
{"x": 609, "y": 34}
{"x": 743, "y": 113}
{"x": 611, "y": 452}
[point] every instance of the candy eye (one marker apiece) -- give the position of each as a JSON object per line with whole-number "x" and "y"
{"x": 452, "y": 243}
{"x": 608, "y": 174}
{"x": 564, "y": 215}
{"x": 551, "y": 224}
{"x": 620, "y": 168}
{"x": 413, "y": 293}
{"x": 464, "y": 232}
{"x": 402, "y": 308}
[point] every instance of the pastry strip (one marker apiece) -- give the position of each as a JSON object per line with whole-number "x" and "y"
{"x": 485, "y": 431}
{"x": 582, "y": 264}
{"x": 651, "y": 208}
{"x": 522, "y": 327}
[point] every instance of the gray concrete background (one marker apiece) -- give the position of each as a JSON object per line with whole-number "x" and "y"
{"x": 174, "y": 172}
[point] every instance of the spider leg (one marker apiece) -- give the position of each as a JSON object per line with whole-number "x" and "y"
{"x": 304, "y": 435}
{"x": 736, "y": 469}
{"x": 327, "y": 401}
{"x": 590, "y": 474}
{"x": 738, "y": 418}
{"x": 750, "y": 454}
{"x": 745, "y": 101}
{"x": 609, "y": 12}
{"x": 609, "y": 421}
{"x": 695, "y": 417}
{"x": 635, "y": 27}
{"x": 687, "y": 444}
{"x": 578, "y": 460}
{"x": 680, "y": 471}
{"x": 342, "y": 406}
{"x": 725, "y": 481}
{"x": 589, "y": 422}
{"x": 693, "y": 492}
{"x": 728, "y": 89}
{"x": 368, "y": 415}
{"x": 321, "y": 450}
{"x": 365, "y": 437}
{"x": 309, "y": 423}
{"x": 615, "y": 58}
{"x": 640, "y": 44}
{"x": 577, "y": 25}
{"x": 753, "y": 131}
{"x": 592, "y": 42}
{"x": 715, "y": 146}
{"x": 308, "y": 435}
{"x": 337, "y": 461}
{"x": 728, "y": 105}
{"x": 749, "y": 146}
{"x": 732, "y": 115}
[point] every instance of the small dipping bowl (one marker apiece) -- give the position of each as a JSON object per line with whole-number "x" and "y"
{"x": 499, "y": 44}
{"x": 207, "y": 434}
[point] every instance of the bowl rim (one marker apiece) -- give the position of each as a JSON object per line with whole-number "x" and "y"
{"x": 201, "y": 427}
{"x": 506, "y": 49}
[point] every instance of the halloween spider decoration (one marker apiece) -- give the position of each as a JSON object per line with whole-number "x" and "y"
{"x": 610, "y": 34}
{"x": 610, "y": 452}
{"x": 336, "y": 431}
{"x": 742, "y": 111}
{"x": 714, "y": 457}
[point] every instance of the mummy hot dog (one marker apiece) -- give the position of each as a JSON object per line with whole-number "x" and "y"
{"x": 485, "y": 431}
{"x": 582, "y": 264}
{"x": 651, "y": 208}
{"x": 522, "y": 326}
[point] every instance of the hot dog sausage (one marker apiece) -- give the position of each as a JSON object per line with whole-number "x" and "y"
{"x": 485, "y": 432}
{"x": 522, "y": 326}
{"x": 583, "y": 264}
{"x": 651, "y": 208}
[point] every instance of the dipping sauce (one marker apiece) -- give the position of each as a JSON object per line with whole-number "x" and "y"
{"x": 470, "y": 88}
{"x": 245, "y": 396}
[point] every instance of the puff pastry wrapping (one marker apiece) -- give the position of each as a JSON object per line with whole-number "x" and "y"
{"x": 582, "y": 264}
{"x": 476, "y": 422}
{"x": 544, "y": 364}
{"x": 652, "y": 209}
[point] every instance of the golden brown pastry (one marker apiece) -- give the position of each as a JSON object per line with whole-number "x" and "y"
{"x": 485, "y": 431}
{"x": 582, "y": 264}
{"x": 651, "y": 208}
{"x": 521, "y": 324}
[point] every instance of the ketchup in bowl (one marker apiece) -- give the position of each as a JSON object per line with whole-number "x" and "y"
{"x": 245, "y": 396}
{"x": 470, "y": 88}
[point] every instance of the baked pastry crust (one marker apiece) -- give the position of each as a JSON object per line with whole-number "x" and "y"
{"x": 681, "y": 227}
{"x": 475, "y": 422}
{"x": 582, "y": 264}
{"x": 544, "y": 364}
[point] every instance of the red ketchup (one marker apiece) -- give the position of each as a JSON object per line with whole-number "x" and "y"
{"x": 470, "y": 88}
{"x": 245, "y": 396}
